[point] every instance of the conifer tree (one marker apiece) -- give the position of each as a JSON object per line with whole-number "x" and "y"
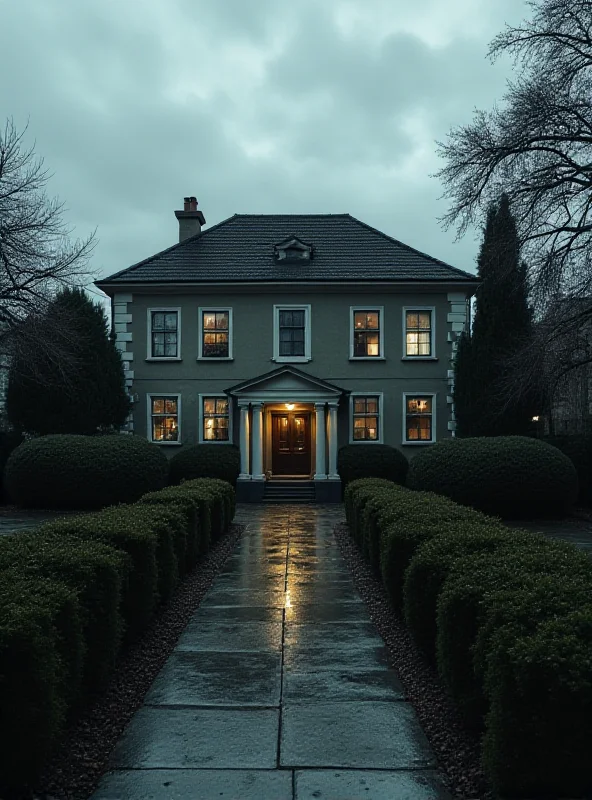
{"x": 503, "y": 324}
{"x": 93, "y": 398}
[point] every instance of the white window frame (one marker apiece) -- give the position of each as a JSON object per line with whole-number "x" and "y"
{"x": 307, "y": 333}
{"x": 380, "y": 396}
{"x": 432, "y": 356}
{"x": 201, "y": 438}
{"x": 149, "y": 397}
{"x": 204, "y": 310}
{"x": 166, "y": 310}
{"x": 419, "y": 442}
{"x": 352, "y": 311}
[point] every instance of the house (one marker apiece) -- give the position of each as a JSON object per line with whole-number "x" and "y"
{"x": 290, "y": 336}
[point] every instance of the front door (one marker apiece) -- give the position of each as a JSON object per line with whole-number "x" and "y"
{"x": 290, "y": 444}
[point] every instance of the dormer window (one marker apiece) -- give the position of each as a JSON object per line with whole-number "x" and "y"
{"x": 293, "y": 251}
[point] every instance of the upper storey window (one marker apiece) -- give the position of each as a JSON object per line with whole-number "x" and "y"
{"x": 291, "y": 333}
{"x": 419, "y": 332}
{"x": 164, "y": 333}
{"x": 215, "y": 333}
{"x": 367, "y": 333}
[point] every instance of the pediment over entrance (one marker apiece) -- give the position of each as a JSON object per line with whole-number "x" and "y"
{"x": 286, "y": 384}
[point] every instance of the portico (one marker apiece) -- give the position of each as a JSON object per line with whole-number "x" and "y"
{"x": 288, "y": 428}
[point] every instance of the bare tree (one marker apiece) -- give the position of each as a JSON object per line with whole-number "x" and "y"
{"x": 37, "y": 257}
{"x": 536, "y": 147}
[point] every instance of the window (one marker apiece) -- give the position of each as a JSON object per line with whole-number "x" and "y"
{"x": 215, "y": 333}
{"x": 291, "y": 333}
{"x": 164, "y": 333}
{"x": 367, "y": 335}
{"x": 419, "y": 418}
{"x": 164, "y": 418}
{"x": 419, "y": 332}
{"x": 366, "y": 418}
{"x": 215, "y": 418}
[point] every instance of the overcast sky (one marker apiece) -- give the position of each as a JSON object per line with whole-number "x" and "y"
{"x": 254, "y": 106}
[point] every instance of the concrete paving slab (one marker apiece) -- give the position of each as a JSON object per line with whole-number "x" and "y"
{"x": 356, "y": 635}
{"x": 341, "y": 685}
{"x": 353, "y": 735}
{"x": 238, "y": 614}
{"x": 313, "y": 593}
{"x": 366, "y": 785}
{"x": 301, "y": 659}
{"x": 244, "y": 597}
{"x": 192, "y": 678}
{"x": 174, "y": 738}
{"x": 232, "y": 636}
{"x": 329, "y": 612}
{"x": 196, "y": 784}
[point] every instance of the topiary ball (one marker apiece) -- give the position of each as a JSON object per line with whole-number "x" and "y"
{"x": 508, "y": 476}
{"x": 205, "y": 461}
{"x": 371, "y": 461}
{"x": 67, "y": 471}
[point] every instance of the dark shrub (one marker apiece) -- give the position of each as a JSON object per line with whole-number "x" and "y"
{"x": 95, "y": 571}
{"x": 539, "y": 727}
{"x": 371, "y": 461}
{"x": 509, "y": 476}
{"x": 189, "y": 508}
{"x": 205, "y": 461}
{"x": 84, "y": 472}
{"x": 579, "y": 450}
{"x": 356, "y": 494}
{"x": 9, "y": 441}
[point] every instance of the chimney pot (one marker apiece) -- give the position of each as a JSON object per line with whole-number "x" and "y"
{"x": 186, "y": 203}
{"x": 193, "y": 203}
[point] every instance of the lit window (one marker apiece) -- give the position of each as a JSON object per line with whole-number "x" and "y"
{"x": 164, "y": 332}
{"x": 164, "y": 413}
{"x": 366, "y": 334}
{"x": 418, "y": 333}
{"x": 418, "y": 419}
{"x": 366, "y": 418}
{"x": 215, "y": 419}
{"x": 215, "y": 333}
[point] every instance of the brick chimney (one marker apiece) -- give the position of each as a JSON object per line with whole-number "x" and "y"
{"x": 190, "y": 219}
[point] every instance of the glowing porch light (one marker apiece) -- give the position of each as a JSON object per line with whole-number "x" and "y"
{"x": 290, "y": 406}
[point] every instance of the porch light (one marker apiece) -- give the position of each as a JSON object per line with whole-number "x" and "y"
{"x": 290, "y": 406}
{"x": 536, "y": 419}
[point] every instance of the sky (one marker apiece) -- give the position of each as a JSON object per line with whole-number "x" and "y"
{"x": 253, "y": 106}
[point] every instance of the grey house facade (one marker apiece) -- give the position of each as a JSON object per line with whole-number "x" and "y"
{"x": 289, "y": 336}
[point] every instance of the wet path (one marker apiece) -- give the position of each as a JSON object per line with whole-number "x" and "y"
{"x": 279, "y": 687}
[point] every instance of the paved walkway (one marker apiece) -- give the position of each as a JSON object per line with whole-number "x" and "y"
{"x": 279, "y": 688}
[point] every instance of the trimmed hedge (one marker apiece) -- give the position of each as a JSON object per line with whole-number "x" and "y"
{"x": 371, "y": 461}
{"x": 495, "y": 604}
{"x": 66, "y": 591}
{"x": 220, "y": 461}
{"x": 510, "y": 476}
{"x": 83, "y": 472}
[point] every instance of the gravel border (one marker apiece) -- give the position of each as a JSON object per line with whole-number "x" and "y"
{"x": 76, "y": 770}
{"x": 456, "y": 749}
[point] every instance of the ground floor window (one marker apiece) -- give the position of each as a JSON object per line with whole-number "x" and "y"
{"x": 366, "y": 418}
{"x": 164, "y": 417}
{"x": 215, "y": 419}
{"x": 419, "y": 414}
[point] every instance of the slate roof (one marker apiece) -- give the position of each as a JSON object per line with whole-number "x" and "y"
{"x": 241, "y": 249}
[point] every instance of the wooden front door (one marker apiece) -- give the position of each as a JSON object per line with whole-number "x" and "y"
{"x": 290, "y": 444}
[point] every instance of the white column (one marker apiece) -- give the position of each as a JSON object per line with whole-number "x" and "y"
{"x": 333, "y": 475}
{"x": 320, "y": 472}
{"x": 244, "y": 442}
{"x": 257, "y": 441}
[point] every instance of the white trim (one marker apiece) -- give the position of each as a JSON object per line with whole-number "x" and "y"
{"x": 200, "y": 415}
{"x": 149, "y": 396}
{"x": 307, "y": 333}
{"x": 381, "y": 356}
{"x": 200, "y": 311}
{"x": 432, "y": 355}
{"x": 168, "y": 310}
{"x": 434, "y": 396}
{"x": 380, "y": 396}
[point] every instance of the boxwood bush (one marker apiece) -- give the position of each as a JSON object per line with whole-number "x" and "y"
{"x": 371, "y": 461}
{"x": 510, "y": 476}
{"x": 83, "y": 472}
{"x": 205, "y": 461}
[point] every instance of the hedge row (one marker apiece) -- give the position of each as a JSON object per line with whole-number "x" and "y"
{"x": 73, "y": 593}
{"x": 493, "y": 607}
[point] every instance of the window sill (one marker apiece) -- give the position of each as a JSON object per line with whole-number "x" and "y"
{"x": 215, "y": 441}
{"x": 366, "y": 441}
{"x": 168, "y": 444}
{"x": 163, "y": 358}
{"x": 420, "y": 444}
{"x": 367, "y": 358}
{"x": 215, "y": 358}
{"x": 291, "y": 359}
{"x": 420, "y": 358}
